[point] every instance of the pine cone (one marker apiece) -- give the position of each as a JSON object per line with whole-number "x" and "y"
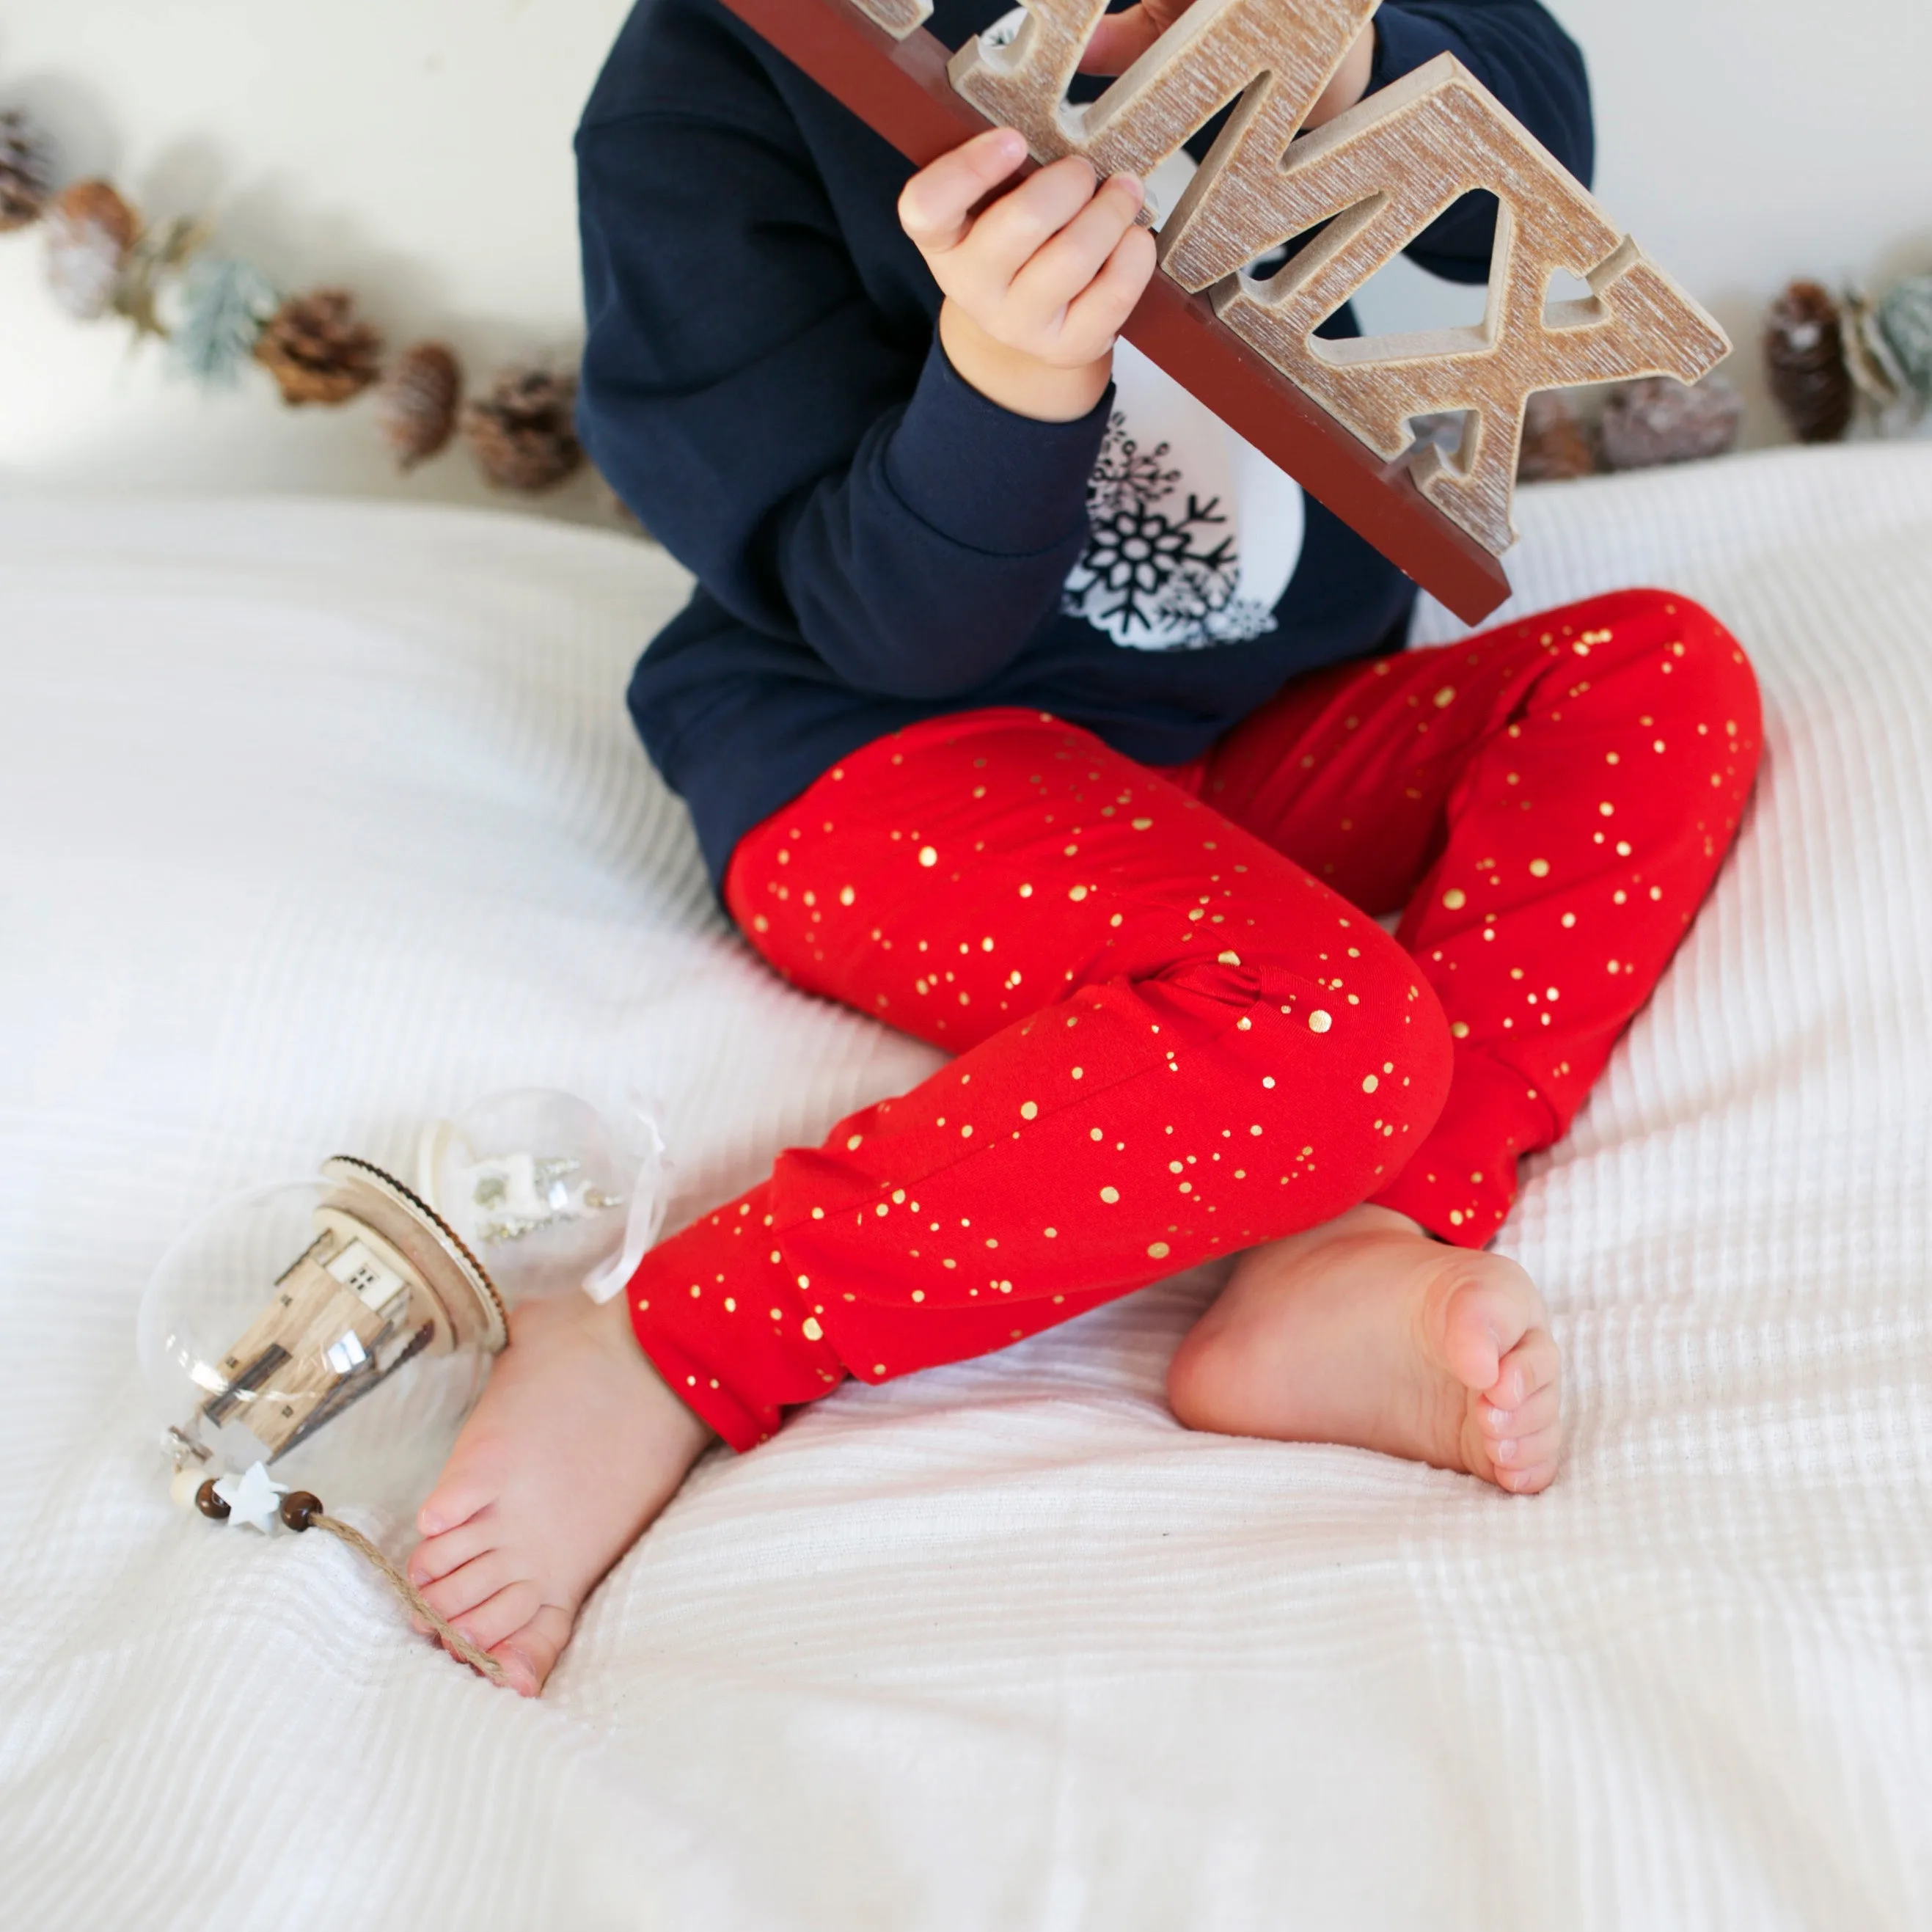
{"x": 318, "y": 350}
{"x": 24, "y": 171}
{"x": 522, "y": 434}
{"x": 1805, "y": 358}
{"x": 1658, "y": 419}
{"x": 1555, "y": 443}
{"x": 90, "y": 229}
{"x": 415, "y": 407}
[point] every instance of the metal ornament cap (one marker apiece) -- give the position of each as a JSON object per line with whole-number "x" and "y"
{"x": 466, "y": 1298}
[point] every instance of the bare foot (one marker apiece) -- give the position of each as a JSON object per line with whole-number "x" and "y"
{"x": 1366, "y": 1331}
{"x": 576, "y": 1445}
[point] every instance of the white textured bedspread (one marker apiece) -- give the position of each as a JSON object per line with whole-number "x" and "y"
{"x": 1000, "y": 1646}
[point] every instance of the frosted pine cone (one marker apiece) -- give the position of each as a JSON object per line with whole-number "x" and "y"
{"x": 90, "y": 229}
{"x": 415, "y": 407}
{"x": 524, "y": 434}
{"x": 319, "y": 349}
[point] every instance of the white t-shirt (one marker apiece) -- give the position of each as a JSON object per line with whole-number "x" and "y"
{"x": 1195, "y": 532}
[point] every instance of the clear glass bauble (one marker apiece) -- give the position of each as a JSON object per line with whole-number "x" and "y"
{"x": 539, "y": 1185}
{"x": 328, "y": 1328}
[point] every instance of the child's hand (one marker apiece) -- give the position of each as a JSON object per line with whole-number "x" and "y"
{"x": 1038, "y": 284}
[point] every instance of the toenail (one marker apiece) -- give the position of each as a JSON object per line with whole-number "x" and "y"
{"x": 1506, "y": 1451}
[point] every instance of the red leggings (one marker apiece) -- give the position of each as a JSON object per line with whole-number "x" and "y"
{"x": 1179, "y": 1030}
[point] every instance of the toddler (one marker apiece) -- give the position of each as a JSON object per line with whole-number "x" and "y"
{"x": 1023, "y": 707}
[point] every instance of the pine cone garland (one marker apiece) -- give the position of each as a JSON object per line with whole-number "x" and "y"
{"x": 415, "y": 407}
{"x": 90, "y": 230}
{"x": 1657, "y": 419}
{"x": 25, "y": 173}
{"x": 1556, "y": 444}
{"x": 318, "y": 350}
{"x": 1805, "y": 359}
{"x": 523, "y": 434}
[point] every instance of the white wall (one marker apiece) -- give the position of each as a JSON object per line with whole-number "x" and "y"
{"x": 418, "y": 150}
{"x": 1745, "y": 141}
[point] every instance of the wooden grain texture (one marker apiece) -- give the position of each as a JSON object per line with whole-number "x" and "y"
{"x": 1276, "y": 59}
{"x": 898, "y": 86}
{"x": 1379, "y": 174}
{"x": 899, "y": 17}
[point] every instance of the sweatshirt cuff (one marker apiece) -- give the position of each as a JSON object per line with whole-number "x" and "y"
{"x": 1404, "y": 41}
{"x": 988, "y": 479}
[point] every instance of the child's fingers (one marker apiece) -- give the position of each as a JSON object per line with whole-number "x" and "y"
{"x": 1012, "y": 230}
{"x": 1096, "y": 318}
{"x": 935, "y": 206}
{"x": 1060, "y": 271}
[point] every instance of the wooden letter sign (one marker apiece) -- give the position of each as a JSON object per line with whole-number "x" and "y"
{"x": 1336, "y": 414}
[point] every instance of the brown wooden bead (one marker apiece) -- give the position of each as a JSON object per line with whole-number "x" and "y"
{"x": 300, "y": 1509}
{"x": 210, "y": 1504}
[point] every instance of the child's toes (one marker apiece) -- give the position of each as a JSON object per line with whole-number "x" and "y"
{"x": 454, "y": 1500}
{"x": 529, "y": 1655}
{"x": 438, "y": 1555}
{"x": 1534, "y": 1363}
{"x": 1491, "y": 1304}
{"x": 1473, "y": 1338}
{"x": 504, "y": 1614}
{"x": 1529, "y": 1463}
{"x": 1534, "y": 1413}
{"x": 476, "y": 1581}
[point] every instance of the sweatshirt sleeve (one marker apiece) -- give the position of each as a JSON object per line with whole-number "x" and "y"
{"x": 1519, "y": 53}
{"x": 823, "y": 470}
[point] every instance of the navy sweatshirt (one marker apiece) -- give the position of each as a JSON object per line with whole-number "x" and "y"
{"x": 875, "y": 542}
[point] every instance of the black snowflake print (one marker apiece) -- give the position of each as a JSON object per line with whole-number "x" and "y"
{"x": 1154, "y": 572}
{"x": 1125, "y": 477}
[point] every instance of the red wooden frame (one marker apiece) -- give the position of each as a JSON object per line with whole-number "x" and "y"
{"x": 899, "y": 89}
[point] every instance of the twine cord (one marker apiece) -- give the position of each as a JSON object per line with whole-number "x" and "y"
{"x": 406, "y": 1592}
